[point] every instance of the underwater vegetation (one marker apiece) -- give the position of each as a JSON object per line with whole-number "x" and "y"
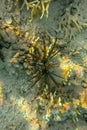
{"x": 37, "y": 7}
{"x": 69, "y": 21}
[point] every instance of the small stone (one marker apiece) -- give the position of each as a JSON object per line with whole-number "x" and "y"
{"x": 27, "y": 72}
{"x": 1, "y": 64}
{"x": 8, "y": 20}
{"x": 25, "y": 65}
{"x": 17, "y": 66}
{"x": 85, "y": 47}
